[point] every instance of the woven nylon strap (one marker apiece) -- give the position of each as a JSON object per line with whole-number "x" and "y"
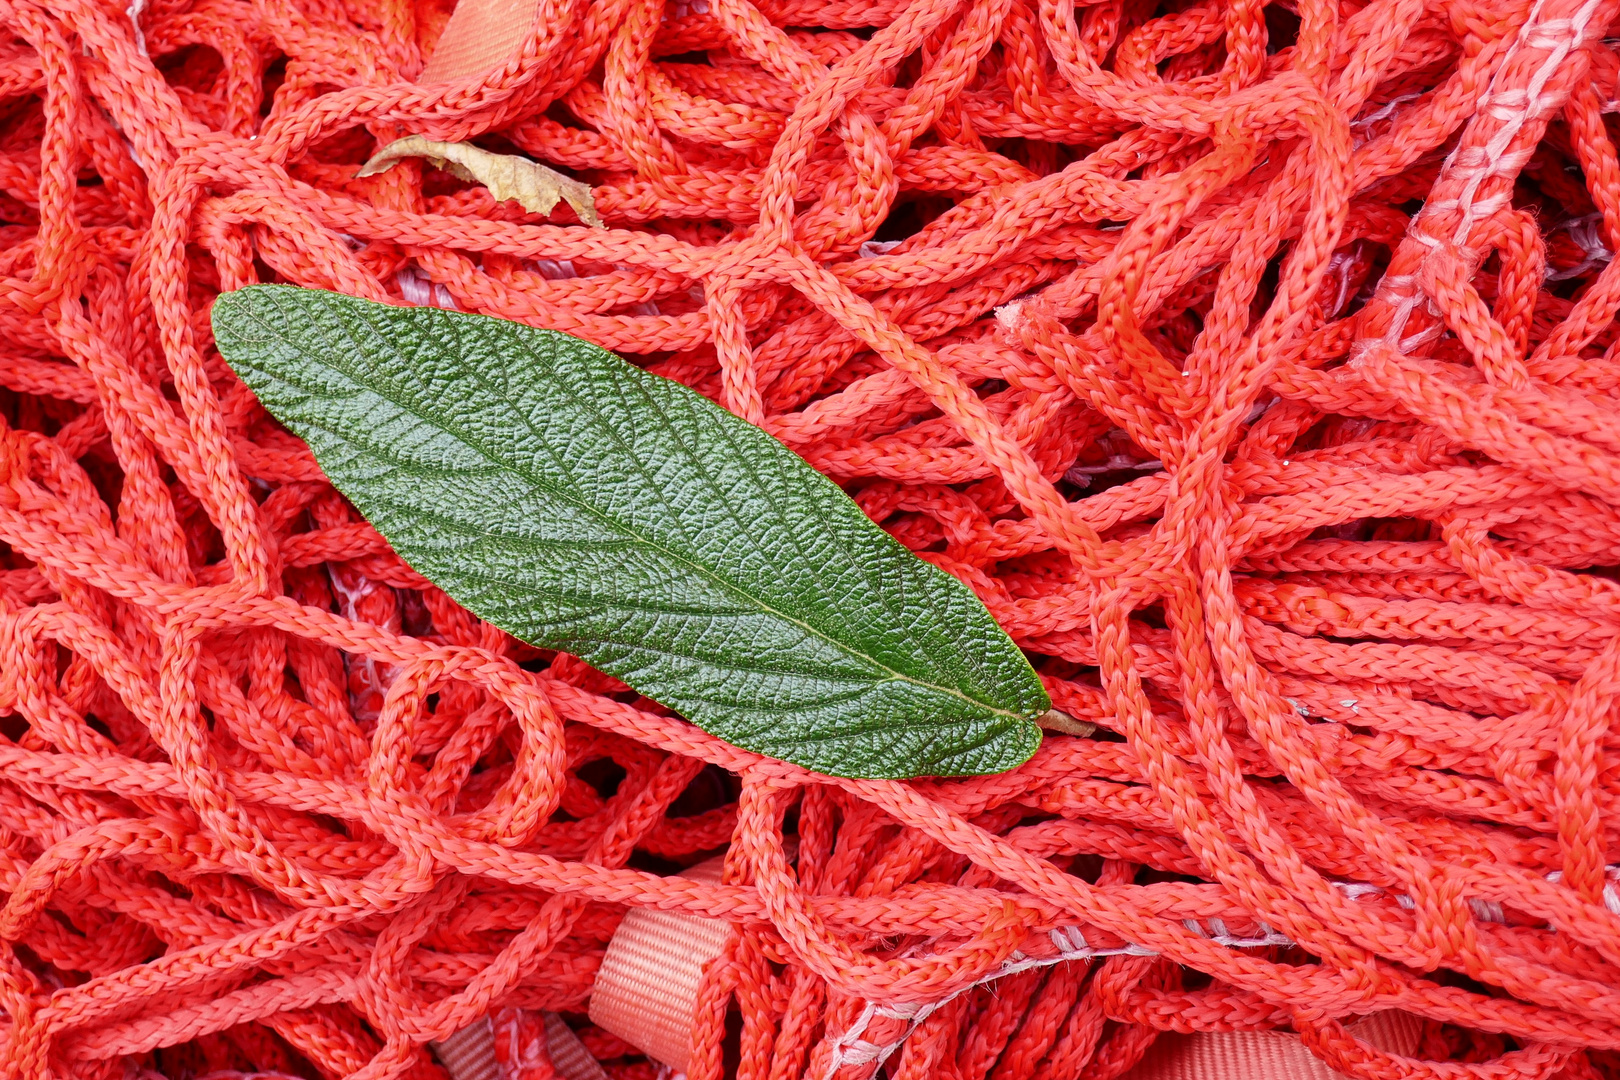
{"x": 480, "y": 35}
{"x": 1266, "y": 1055}
{"x": 469, "y": 1054}
{"x": 647, "y": 987}
{"x": 646, "y": 993}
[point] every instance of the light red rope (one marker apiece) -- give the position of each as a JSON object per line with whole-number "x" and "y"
{"x": 1254, "y": 363}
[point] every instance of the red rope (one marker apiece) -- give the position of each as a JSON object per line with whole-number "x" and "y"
{"x": 1254, "y": 363}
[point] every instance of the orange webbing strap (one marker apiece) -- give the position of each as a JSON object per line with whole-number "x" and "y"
{"x": 481, "y": 34}
{"x": 1266, "y": 1055}
{"x": 647, "y": 987}
{"x": 568, "y": 1055}
{"x": 646, "y": 992}
{"x": 469, "y": 1054}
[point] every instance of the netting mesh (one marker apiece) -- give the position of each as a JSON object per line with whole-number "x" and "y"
{"x": 1255, "y": 363}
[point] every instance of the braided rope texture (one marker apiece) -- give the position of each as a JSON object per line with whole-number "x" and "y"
{"x": 1255, "y": 362}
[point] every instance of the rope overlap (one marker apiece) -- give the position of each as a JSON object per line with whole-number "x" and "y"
{"x": 1254, "y": 363}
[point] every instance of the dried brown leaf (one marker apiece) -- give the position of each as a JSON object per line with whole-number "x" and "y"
{"x": 507, "y": 176}
{"x": 1061, "y": 722}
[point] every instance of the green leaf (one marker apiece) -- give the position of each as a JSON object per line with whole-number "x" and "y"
{"x": 583, "y": 504}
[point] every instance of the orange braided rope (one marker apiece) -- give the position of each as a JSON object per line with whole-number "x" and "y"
{"x": 1256, "y": 364}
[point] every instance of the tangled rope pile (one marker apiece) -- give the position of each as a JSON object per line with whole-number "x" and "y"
{"x": 1256, "y": 363}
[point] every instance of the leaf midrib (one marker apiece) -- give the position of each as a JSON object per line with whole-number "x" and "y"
{"x": 703, "y": 569}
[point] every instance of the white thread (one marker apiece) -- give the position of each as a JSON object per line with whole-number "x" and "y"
{"x": 1422, "y": 337}
{"x": 1358, "y": 128}
{"x": 876, "y": 247}
{"x": 1496, "y": 148}
{"x": 1561, "y": 37}
{"x": 851, "y": 1048}
{"x": 417, "y": 289}
{"x": 1584, "y": 231}
{"x": 1011, "y": 316}
{"x": 136, "y": 9}
{"x": 1220, "y": 935}
{"x": 1355, "y": 890}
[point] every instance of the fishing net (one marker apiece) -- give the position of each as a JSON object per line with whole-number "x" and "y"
{"x": 1254, "y": 362}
